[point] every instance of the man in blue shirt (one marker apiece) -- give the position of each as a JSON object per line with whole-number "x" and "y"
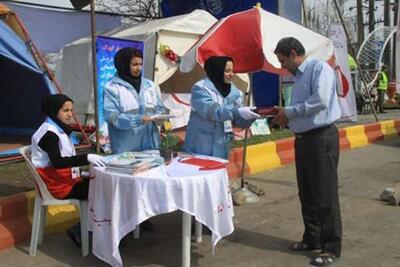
{"x": 311, "y": 115}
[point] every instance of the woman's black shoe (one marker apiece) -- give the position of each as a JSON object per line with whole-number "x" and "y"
{"x": 75, "y": 237}
{"x": 147, "y": 225}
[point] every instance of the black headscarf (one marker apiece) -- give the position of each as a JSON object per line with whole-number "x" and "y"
{"x": 215, "y": 68}
{"x": 122, "y": 61}
{"x": 51, "y": 105}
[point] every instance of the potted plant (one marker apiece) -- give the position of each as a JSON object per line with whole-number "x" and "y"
{"x": 169, "y": 143}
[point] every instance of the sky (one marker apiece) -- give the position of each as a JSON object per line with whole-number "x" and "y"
{"x": 60, "y": 3}
{"x": 63, "y": 3}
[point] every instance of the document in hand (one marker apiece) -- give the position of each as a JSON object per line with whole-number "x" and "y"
{"x": 267, "y": 111}
{"x": 162, "y": 117}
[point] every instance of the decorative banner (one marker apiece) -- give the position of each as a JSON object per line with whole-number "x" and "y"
{"x": 345, "y": 86}
{"x": 106, "y": 48}
{"x": 218, "y": 8}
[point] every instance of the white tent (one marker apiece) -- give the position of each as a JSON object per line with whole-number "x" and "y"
{"x": 179, "y": 33}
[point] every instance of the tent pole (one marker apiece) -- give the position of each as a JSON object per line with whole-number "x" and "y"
{"x": 94, "y": 69}
{"x": 250, "y": 93}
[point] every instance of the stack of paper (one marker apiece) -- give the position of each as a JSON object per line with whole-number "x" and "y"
{"x": 133, "y": 162}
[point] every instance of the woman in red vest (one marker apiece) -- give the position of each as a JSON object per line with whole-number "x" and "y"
{"x": 54, "y": 156}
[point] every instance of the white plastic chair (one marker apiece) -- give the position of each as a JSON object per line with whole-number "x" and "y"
{"x": 43, "y": 199}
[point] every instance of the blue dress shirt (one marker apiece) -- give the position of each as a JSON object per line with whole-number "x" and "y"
{"x": 314, "y": 100}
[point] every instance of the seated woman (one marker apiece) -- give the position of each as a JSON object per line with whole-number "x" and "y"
{"x": 54, "y": 157}
{"x": 216, "y": 106}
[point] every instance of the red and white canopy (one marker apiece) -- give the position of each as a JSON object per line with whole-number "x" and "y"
{"x": 250, "y": 38}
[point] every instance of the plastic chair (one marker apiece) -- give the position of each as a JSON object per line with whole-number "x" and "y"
{"x": 43, "y": 199}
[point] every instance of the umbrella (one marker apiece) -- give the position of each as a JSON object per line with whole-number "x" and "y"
{"x": 250, "y": 38}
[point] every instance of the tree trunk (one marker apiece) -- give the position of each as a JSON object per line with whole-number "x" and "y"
{"x": 360, "y": 24}
{"x": 395, "y": 20}
{"x": 371, "y": 15}
{"x": 386, "y": 22}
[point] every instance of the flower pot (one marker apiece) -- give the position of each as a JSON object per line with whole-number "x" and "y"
{"x": 166, "y": 154}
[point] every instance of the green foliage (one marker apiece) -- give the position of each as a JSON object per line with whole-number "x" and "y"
{"x": 170, "y": 142}
{"x": 257, "y": 139}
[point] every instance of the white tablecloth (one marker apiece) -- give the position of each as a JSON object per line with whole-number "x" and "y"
{"x": 119, "y": 202}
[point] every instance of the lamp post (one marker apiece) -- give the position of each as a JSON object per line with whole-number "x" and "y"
{"x": 94, "y": 70}
{"x": 79, "y": 4}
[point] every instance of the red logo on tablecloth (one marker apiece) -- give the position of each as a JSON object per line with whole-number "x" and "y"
{"x": 99, "y": 222}
{"x": 220, "y": 208}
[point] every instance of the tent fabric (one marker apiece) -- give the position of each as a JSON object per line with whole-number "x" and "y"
{"x": 23, "y": 87}
{"x": 179, "y": 33}
{"x": 45, "y": 32}
{"x": 12, "y": 47}
{"x": 11, "y": 20}
{"x": 180, "y": 106}
{"x": 24, "y": 84}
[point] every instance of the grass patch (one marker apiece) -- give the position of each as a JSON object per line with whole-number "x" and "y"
{"x": 276, "y": 134}
{"x": 15, "y": 178}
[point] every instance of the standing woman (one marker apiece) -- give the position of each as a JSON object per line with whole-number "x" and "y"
{"x": 216, "y": 106}
{"x": 129, "y": 102}
{"x": 54, "y": 157}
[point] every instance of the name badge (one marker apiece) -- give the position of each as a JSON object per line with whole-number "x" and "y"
{"x": 228, "y": 126}
{"x": 150, "y": 99}
{"x": 75, "y": 172}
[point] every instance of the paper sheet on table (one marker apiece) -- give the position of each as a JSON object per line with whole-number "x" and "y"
{"x": 162, "y": 116}
{"x": 210, "y": 157}
{"x": 177, "y": 169}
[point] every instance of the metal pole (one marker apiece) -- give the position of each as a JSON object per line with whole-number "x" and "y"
{"x": 186, "y": 234}
{"x": 245, "y": 134}
{"x": 352, "y": 51}
{"x": 244, "y": 158}
{"x": 94, "y": 69}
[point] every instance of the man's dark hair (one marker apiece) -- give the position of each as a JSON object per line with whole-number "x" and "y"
{"x": 385, "y": 69}
{"x": 285, "y": 46}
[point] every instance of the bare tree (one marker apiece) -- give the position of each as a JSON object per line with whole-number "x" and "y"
{"x": 134, "y": 10}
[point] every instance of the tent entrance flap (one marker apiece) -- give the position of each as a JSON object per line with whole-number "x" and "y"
{"x": 20, "y": 98}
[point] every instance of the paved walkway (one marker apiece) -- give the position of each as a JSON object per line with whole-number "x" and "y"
{"x": 369, "y": 118}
